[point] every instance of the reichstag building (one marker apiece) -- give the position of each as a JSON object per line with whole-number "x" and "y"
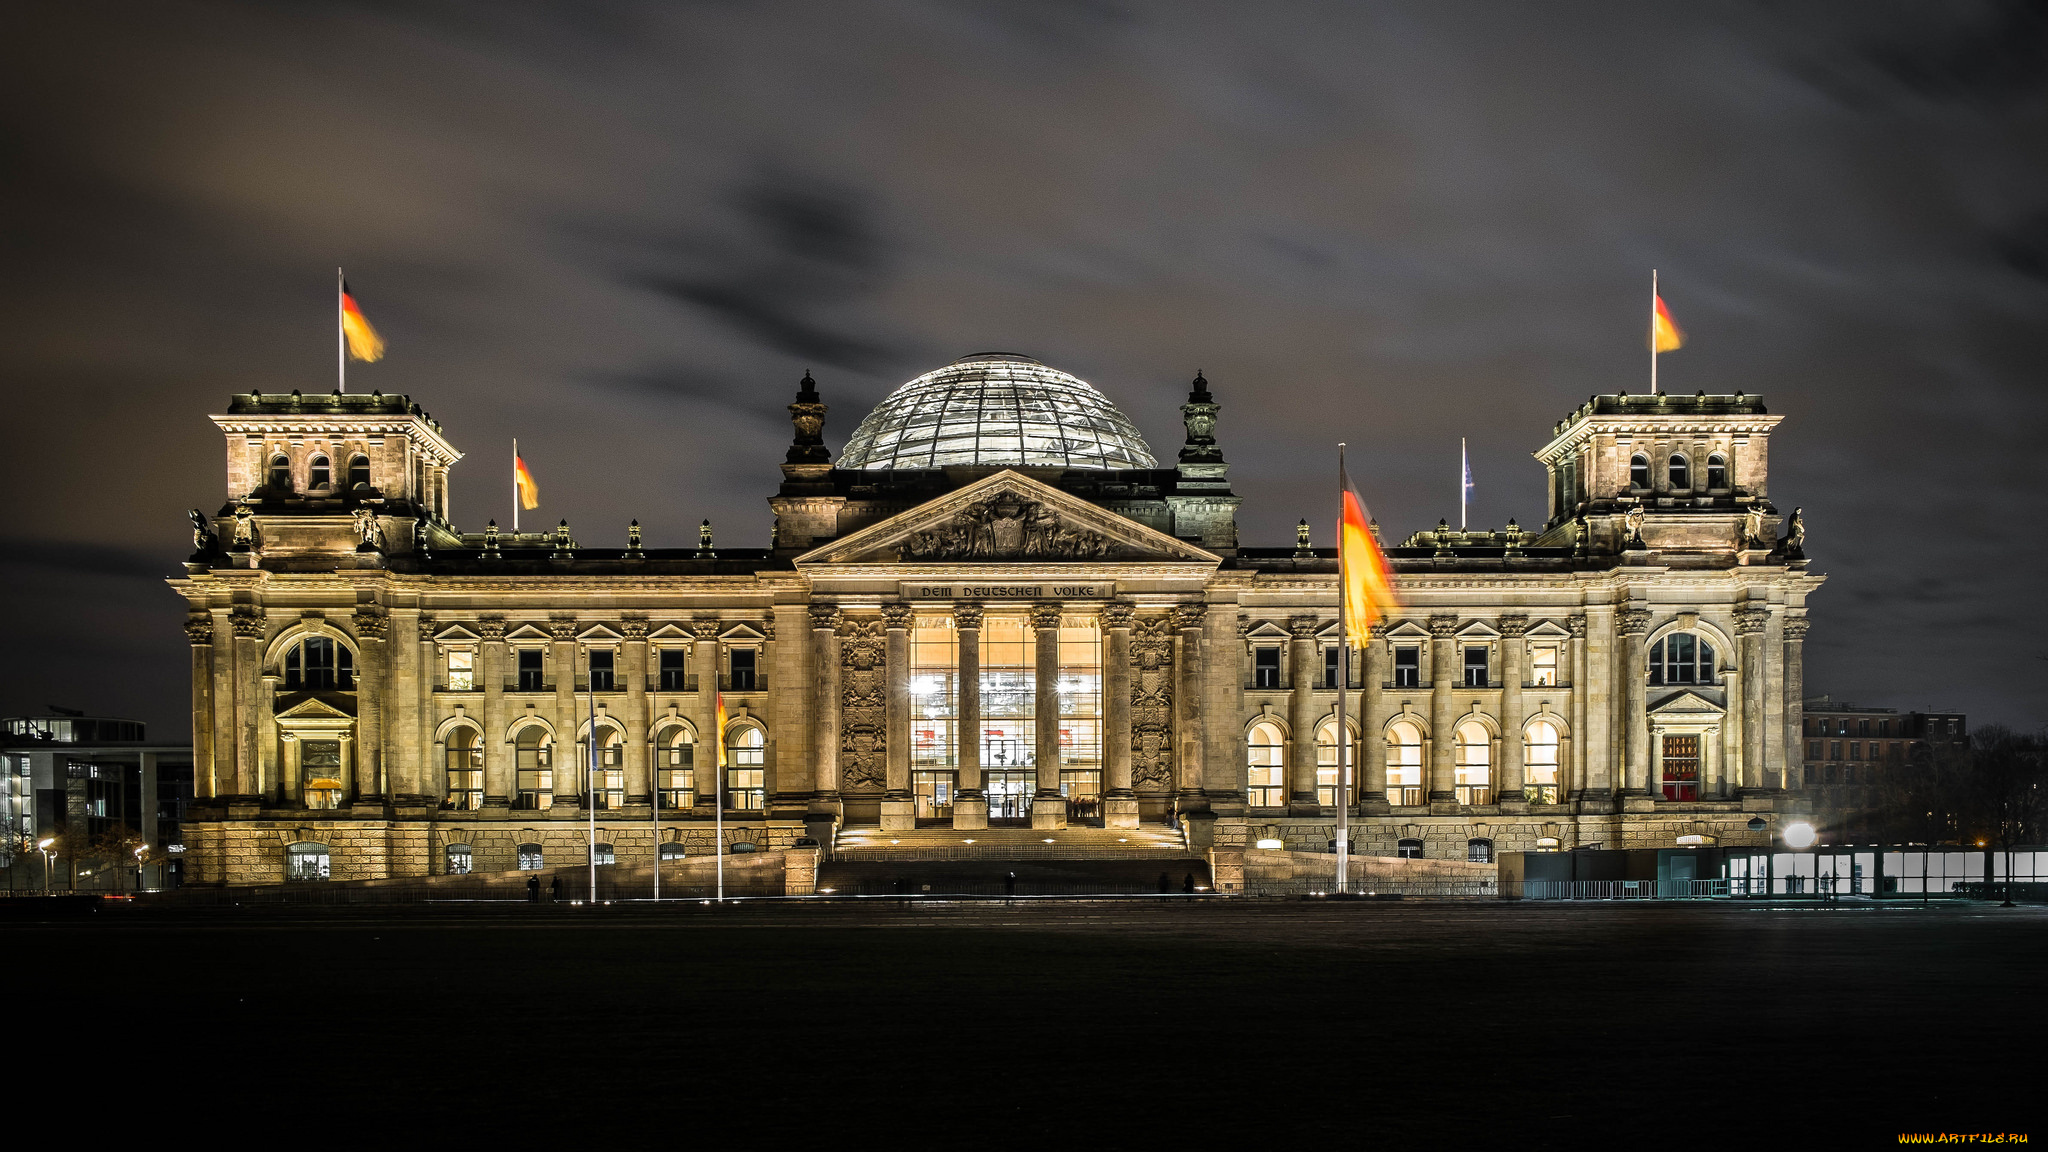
{"x": 996, "y": 607}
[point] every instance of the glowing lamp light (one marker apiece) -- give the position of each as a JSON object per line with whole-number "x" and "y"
{"x": 1799, "y": 835}
{"x": 1276, "y": 845}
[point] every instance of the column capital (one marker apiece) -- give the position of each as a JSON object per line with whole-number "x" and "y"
{"x": 1379, "y": 630}
{"x": 1795, "y": 628}
{"x": 1045, "y": 617}
{"x": 898, "y": 616}
{"x": 370, "y": 625}
{"x": 824, "y": 617}
{"x": 1749, "y": 621}
{"x": 1302, "y": 627}
{"x": 1117, "y": 614}
{"x": 199, "y": 628}
{"x": 562, "y": 627}
{"x": 1633, "y": 621}
{"x": 1189, "y": 615}
{"x": 704, "y": 630}
{"x": 488, "y": 627}
{"x": 1443, "y": 627}
{"x": 1516, "y": 625}
{"x": 1576, "y": 625}
{"x": 633, "y": 628}
{"x": 967, "y": 617}
{"x": 248, "y": 624}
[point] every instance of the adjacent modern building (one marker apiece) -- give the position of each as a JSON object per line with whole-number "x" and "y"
{"x": 997, "y": 606}
{"x": 1850, "y": 753}
{"x": 68, "y": 780}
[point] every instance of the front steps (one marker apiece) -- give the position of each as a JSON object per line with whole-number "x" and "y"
{"x": 980, "y": 862}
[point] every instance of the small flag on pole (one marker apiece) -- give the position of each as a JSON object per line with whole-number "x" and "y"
{"x": 719, "y": 735}
{"x": 363, "y": 341}
{"x": 1368, "y": 581}
{"x": 529, "y": 492}
{"x": 1664, "y": 333}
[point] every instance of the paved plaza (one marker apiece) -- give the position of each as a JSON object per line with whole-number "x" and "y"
{"x": 1064, "y": 1023}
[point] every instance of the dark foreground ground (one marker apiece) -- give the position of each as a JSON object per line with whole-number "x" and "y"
{"x": 1256, "y": 1025}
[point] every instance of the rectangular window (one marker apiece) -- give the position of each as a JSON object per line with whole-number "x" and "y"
{"x": 532, "y": 677}
{"x": 1009, "y": 747}
{"x": 320, "y": 768}
{"x": 601, "y": 669}
{"x": 1884, "y": 727}
{"x": 673, "y": 661}
{"x": 934, "y": 694}
{"x": 1331, "y": 655}
{"x": 1543, "y": 665}
{"x": 611, "y": 783}
{"x": 1681, "y": 767}
{"x": 1408, "y": 667}
{"x": 460, "y": 675}
{"x": 1475, "y": 666}
{"x": 1265, "y": 667}
{"x": 1813, "y": 749}
{"x": 1834, "y": 749}
{"x": 465, "y": 777}
{"x": 743, "y": 678}
{"x": 1863, "y": 727}
{"x": 1855, "y": 749}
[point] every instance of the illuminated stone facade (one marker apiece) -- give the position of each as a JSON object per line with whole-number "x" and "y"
{"x": 986, "y": 642}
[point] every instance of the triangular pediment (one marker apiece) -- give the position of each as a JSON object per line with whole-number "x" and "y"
{"x": 1407, "y": 630}
{"x": 1547, "y": 630}
{"x": 529, "y": 632}
{"x": 600, "y": 634}
{"x": 671, "y": 632}
{"x": 1007, "y": 518}
{"x": 456, "y": 634}
{"x": 1688, "y": 703}
{"x": 313, "y": 709}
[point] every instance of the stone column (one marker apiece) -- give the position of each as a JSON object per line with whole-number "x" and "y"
{"x": 1119, "y": 800}
{"x": 1048, "y": 807}
{"x": 373, "y": 787}
{"x": 970, "y": 804}
{"x": 704, "y": 662}
{"x": 269, "y": 770}
{"x": 402, "y": 675}
{"x": 1443, "y": 741}
{"x": 899, "y": 810}
{"x": 825, "y": 710}
{"x": 1573, "y": 781}
{"x": 639, "y": 783}
{"x": 1795, "y": 705}
{"x": 1189, "y": 666}
{"x": 1301, "y": 717}
{"x": 248, "y": 692}
{"x": 1634, "y": 624}
{"x": 1509, "y": 773}
{"x": 1602, "y": 745}
{"x": 571, "y": 768}
{"x": 1749, "y": 626}
{"x": 497, "y": 754}
{"x": 199, "y": 633}
{"x": 1731, "y": 727}
{"x": 1372, "y": 718}
{"x": 1220, "y": 742}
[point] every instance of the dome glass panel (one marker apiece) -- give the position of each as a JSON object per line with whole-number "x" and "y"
{"x": 996, "y": 408}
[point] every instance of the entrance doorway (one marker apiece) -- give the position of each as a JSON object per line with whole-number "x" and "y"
{"x": 934, "y": 790}
{"x": 1009, "y": 793}
{"x": 1082, "y": 788}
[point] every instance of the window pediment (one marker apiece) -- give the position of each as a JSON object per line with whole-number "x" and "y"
{"x": 1685, "y": 704}
{"x": 456, "y": 634}
{"x": 529, "y": 632}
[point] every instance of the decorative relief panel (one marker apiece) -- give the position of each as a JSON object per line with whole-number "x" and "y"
{"x": 1006, "y": 527}
{"x": 1152, "y": 703}
{"x": 863, "y": 655}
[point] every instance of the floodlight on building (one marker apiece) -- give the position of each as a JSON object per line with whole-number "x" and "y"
{"x": 1048, "y": 839}
{"x": 1276, "y": 845}
{"x": 1799, "y": 835}
{"x": 45, "y": 844}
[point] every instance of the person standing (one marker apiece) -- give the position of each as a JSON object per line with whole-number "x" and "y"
{"x": 555, "y": 888}
{"x": 533, "y": 888}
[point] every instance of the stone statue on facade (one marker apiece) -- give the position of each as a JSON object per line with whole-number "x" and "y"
{"x": 1752, "y": 529}
{"x": 204, "y": 541}
{"x": 370, "y": 537}
{"x": 1634, "y": 520}
{"x": 1004, "y": 527}
{"x": 1795, "y": 533}
{"x": 245, "y": 528}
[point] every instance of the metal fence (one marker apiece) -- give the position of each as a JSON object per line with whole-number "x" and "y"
{"x": 312, "y": 893}
{"x": 1619, "y": 889}
{"x": 891, "y": 854}
{"x": 1378, "y": 890}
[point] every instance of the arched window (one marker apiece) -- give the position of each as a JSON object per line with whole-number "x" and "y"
{"x": 1639, "y": 472}
{"x": 746, "y": 774}
{"x": 1680, "y": 471}
{"x": 1474, "y": 765}
{"x": 1408, "y": 849}
{"x": 608, "y": 787}
{"x": 1681, "y": 658}
{"x": 458, "y": 860}
{"x": 1539, "y": 762}
{"x": 1717, "y": 472}
{"x": 671, "y": 850}
{"x": 531, "y": 859}
{"x": 534, "y": 766}
{"x": 465, "y": 770}
{"x": 307, "y": 860}
{"x": 675, "y": 775}
{"x": 317, "y": 474}
{"x": 1265, "y": 766}
{"x": 1479, "y": 851}
{"x": 1404, "y": 763}
{"x": 358, "y": 472}
{"x": 603, "y": 854}
{"x": 1326, "y": 763}
{"x": 319, "y": 664}
{"x": 281, "y": 473}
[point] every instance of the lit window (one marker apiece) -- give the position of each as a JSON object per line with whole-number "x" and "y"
{"x": 531, "y": 859}
{"x": 458, "y": 860}
{"x": 1404, "y": 764}
{"x": 1474, "y": 765}
{"x": 1408, "y": 667}
{"x": 1539, "y": 762}
{"x": 1409, "y": 849}
{"x": 608, "y": 779}
{"x": 671, "y": 850}
{"x": 1543, "y": 665}
{"x": 306, "y": 860}
{"x": 317, "y": 473}
{"x": 746, "y": 751}
{"x": 1681, "y": 767}
{"x": 1639, "y": 472}
{"x": 533, "y": 767}
{"x": 675, "y": 775}
{"x": 465, "y": 770}
{"x": 603, "y": 854}
{"x": 1327, "y": 751}
{"x": 1680, "y": 472}
{"x": 461, "y": 676}
{"x": 1266, "y": 766}
{"x": 319, "y": 664}
{"x": 1479, "y": 851}
{"x": 1681, "y": 658}
{"x": 320, "y": 768}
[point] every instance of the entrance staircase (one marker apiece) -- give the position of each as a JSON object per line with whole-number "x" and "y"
{"x": 1045, "y": 862}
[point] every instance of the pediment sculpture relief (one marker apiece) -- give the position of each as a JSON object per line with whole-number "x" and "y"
{"x": 1006, "y": 527}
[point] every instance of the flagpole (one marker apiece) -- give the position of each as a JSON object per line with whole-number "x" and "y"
{"x": 1653, "y": 331}
{"x": 515, "y": 486}
{"x": 340, "y": 334}
{"x": 1343, "y": 682}
{"x": 654, "y": 758}
{"x": 590, "y": 771}
{"x": 718, "y": 796}
{"x": 1464, "y": 470}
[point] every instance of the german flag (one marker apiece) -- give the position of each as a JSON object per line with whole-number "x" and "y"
{"x": 1664, "y": 333}
{"x": 719, "y": 735}
{"x": 529, "y": 492}
{"x": 363, "y": 341}
{"x": 1368, "y": 582}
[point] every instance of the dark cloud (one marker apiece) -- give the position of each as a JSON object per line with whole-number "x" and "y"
{"x": 621, "y": 232}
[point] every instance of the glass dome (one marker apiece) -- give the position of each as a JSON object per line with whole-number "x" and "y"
{"x": 996, "y": 408}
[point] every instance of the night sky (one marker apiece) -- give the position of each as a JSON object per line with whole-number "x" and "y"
{"x": 622, "y": 232}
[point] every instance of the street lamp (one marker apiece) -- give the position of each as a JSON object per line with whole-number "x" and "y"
{"x": 43, "y": 846}
{"x": 139, "y": 852}
{"x": 1799, "y": 836}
